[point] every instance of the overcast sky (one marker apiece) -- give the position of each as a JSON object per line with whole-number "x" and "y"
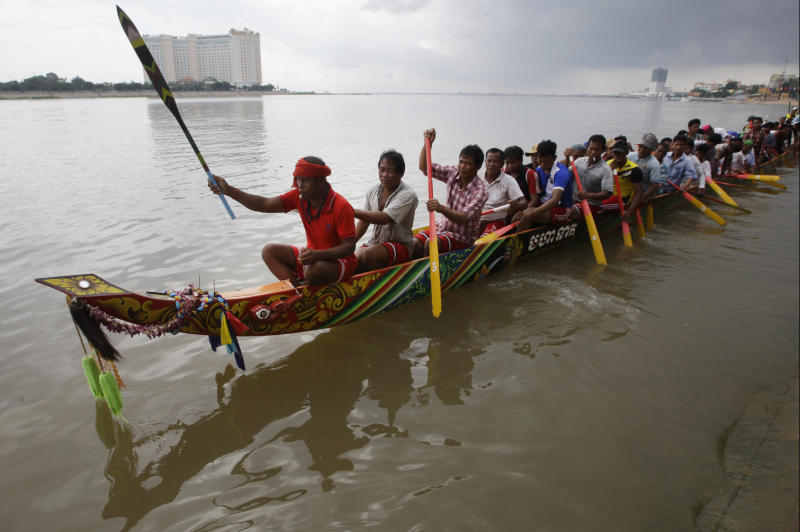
{"x": 526, "y": 46}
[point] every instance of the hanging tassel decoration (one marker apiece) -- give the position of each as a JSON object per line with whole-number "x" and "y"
{"x": 215, "y": 342}
{"x": 234, "y": 322}
{"x": 227, "y": 336}
{"x": 110, "y": 388}
{"x": 224, "y": 332}
{"x": 91, "y": 330}
{"x": 92, "y": 375}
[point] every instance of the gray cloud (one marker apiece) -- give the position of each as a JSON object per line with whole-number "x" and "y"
{"x": 395, "y": 6}
{"x": 440, "y": 45}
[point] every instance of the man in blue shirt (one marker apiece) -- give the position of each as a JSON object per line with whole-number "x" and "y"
{"x": 555, "y": 186}
{"x": 681, "y": 169}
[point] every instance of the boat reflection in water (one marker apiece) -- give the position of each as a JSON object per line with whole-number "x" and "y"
{"x": 306, "y": 397}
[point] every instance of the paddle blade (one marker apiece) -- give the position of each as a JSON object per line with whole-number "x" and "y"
{"x": 626, "y": 235}
{"x": 650, "y": 216}
{"x": 594, "y": 236}
{"x": 699, "y": 204}
{"x": 436, "y": 282}
{"x": 704, "y": 209}
{"x": 485, "y": 239}
{"x": 781, "y": 157}
{"x": 759, "y": 177}
{"x": 149, "y": 64}
{"x": 721, "y": 193}
{"x": 776, "y": 185}
{"x": 161, "y": 87}
{"x": 640, "y": 225}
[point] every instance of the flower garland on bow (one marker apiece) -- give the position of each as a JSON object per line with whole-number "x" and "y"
{"x": 188, "y": 302}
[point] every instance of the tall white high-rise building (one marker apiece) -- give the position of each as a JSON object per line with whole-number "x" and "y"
{"x": 235, "y": 57}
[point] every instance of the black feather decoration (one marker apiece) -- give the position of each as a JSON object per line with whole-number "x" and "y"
{"x": 92, "y": 331}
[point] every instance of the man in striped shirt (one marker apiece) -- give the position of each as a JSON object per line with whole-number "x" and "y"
{"x": 457, "y": 222}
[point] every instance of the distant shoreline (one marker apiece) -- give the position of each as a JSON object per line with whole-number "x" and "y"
{"x": 149, "y": 93}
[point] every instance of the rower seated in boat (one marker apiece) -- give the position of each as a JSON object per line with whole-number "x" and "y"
{"x": 757, "y": 135}
{"x": 701, "y": 152}
{"x": 732, "y": 158}
{"x": 680, "y": 169}
{"x": 503, "y": 190}
{"x": 389, "y": 207}
{"x": 554, "y": 189}
{"x": 749, "y": 156}
{"x": 596, "y": 178}
{"x": 644, "y": 156}
{"x": 515, "y": 169}
{"x": 630, "y": 178}
{"x": 327, "y": 218}
{"x": 458, "y": 225}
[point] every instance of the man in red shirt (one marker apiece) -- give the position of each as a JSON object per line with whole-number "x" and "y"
{"x": 327, "y": 218}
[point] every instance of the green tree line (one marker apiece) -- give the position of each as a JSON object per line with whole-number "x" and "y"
{"x": 50, "y": 82}
{"x": 734, "y": 87}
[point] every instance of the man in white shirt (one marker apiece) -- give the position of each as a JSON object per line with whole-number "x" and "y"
{"x": 502, "y": 189}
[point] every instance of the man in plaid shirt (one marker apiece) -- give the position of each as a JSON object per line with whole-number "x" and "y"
{"x": 755, "y": 134}
{"x": 458, "y": 222}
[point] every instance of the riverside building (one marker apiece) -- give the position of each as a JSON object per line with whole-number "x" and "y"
{"x": 234, "y": 57}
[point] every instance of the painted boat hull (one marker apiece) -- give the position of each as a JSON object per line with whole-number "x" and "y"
{"x": 324, "y": 306}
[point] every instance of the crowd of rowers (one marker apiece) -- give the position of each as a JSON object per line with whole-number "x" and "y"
{"x": 479, "y": 202}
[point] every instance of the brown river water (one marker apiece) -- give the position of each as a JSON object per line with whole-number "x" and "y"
{"x": 553, "y": 396}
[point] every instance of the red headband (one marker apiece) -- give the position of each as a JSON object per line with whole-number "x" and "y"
{"x": 304, "y": 168}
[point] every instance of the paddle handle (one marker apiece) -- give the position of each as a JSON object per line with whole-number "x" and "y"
{"x": 429, "y": 166}
{"x": 496, "y": 209}
{"x": 221, "y": 195}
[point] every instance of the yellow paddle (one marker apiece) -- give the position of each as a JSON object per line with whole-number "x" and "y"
{"x": 771, "y": 180}
{"x": 700, "y": 205}
{"x": 597, "y": 246}
{"x": 433, "y": 242}
{"x": 721, "y": 193}
{"x": 485, "y": 239}
{"x": 757, "y": 177}
{"x": 626, "y": 229}
{"x": 717, "y": 200}
{"x": 780, "y": 156}
{"x": 650, "y": 217}
{"x": 640, "y": 225}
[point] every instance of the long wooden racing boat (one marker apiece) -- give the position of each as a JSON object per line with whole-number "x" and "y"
{"x": 280, "y": 308}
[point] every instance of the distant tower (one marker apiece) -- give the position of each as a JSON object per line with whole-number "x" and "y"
{"x": 657, "y": 81}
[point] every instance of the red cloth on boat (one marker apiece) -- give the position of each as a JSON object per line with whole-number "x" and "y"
{"x": 445, "y": 240}
{"x": 346, "y": 266}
